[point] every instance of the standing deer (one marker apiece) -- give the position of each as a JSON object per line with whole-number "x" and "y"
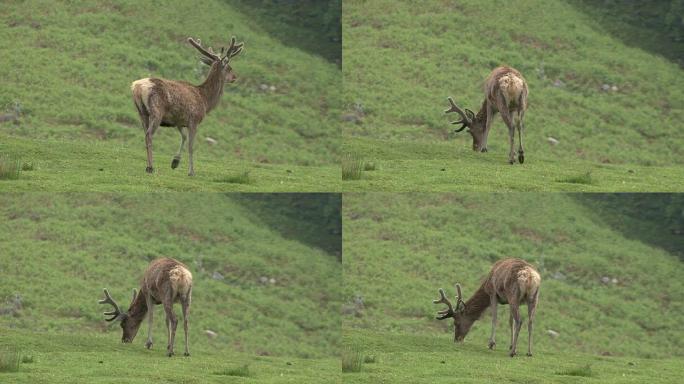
{"x": 166, "y": 281}
{"x": 180, "y": 104}
{"x": 506, "y": 92}
{"x": 511, "y": 281}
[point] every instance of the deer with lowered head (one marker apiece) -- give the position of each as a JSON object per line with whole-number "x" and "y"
{"x": 170, "y": 103}
{"x": 166, "y": 281}
{"x": 505, "y": 92}
{"x": 510, "y": 281}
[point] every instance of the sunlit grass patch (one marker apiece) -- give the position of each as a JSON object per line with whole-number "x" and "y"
{"x": 242, "y": 371}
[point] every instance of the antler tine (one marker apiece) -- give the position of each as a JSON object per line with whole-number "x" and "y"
{"x": 465, "y": 121}
{"x": 108, "y": 300}
{"x": 234, "y": 49}
{"x": 198, "y": 45}
{"x": 449, "y": 312}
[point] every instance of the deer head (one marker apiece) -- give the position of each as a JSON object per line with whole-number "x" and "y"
{"x": 476, "y": 127}
{"x": 222, "y": 60}
{"x": 462, "y": 323}
{"x": 128, "y": 325}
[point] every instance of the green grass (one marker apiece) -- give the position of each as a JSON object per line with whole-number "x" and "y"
{"x": 248, "y": 286}
{"x": 237, "y": 178}
{"x": 9, "y": 360}
{"x": 399, "y": 248}
{"x": 442, "y": 166}
{"x": 9, "y": 168}
{"x": 352, "y": 360}
{"x": 401, "y": 62}
{"x": 97, "y": 358}
{"x": 63, "y": 165}
{"x": 352, "y": 167}
{"x": 242, "y": 371}
{"x": 408, "y": 358}
{"x": 96, "y": 50}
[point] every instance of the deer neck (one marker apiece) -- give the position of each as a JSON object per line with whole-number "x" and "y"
{"x": 138, "y": 309}
{"x": 477, "y": 304}
{"x": 212, "y": 88}
{"x": 482, "y": 113}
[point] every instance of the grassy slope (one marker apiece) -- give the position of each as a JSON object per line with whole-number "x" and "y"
{"x": 399, "y": 250}
{"x": 400, "y": 62}
{"x": 58, "y": 251}
{"x": 79, "y": 89}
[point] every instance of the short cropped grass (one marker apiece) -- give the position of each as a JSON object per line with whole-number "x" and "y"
{"x": 583, "y": 371}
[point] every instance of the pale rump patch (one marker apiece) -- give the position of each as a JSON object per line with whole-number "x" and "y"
{"x": 528, "y": 280}
{"x": 181, "y": 280}
{"x": 511, "y": 87}
{"x": 141, "y": 88}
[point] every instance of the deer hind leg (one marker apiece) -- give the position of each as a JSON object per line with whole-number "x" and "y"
{"x": 171, "y": 323}
{"x": 521, "y": 128}
{"x": 492, "y": 340}
{"x": 502, "y": 106}
{"x": 531, "y": 310}
{"x": 150, "y": 314}
{"x": 510, "y": 324}
{"x": 177, "y": 157}
{"x": 515, "y": 312}
{"x": 192, "y": 130}
{"x": 185, "y": 304}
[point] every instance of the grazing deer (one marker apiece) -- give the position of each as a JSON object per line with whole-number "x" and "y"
{"x": 511, "y": 281}
{"x": 506, "y": 92}
{"x": 166, "y": 281}
{"x": 179, "y": 104}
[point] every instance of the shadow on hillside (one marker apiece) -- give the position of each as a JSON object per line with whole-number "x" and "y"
{"x": 654, "y": 26}
{"x": 311, "y": 218}
{"x": 311, "y": 25}
{"x": 656, "y": 219}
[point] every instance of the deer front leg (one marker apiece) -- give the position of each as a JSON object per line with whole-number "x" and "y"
{"x": 177, "y": 157}
{"x": 150, "y": 314}
{"x": 192, "y": 130}
{"x": 515, "y": 311}
{"x": 492, "y": 341}
{"x": 488, "y": 125}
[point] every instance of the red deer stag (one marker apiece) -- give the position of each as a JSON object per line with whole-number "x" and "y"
{"x": 166, "y": 281}
{"x": 506, "y": 92}
{"x": 511, "y": 281}
{"x": 179, "y": 104}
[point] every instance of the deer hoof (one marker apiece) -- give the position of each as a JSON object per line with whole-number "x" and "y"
{"x": 148, "y": 344}
{"x": 483, "y": 150}
{"x": 149, "y": 169}
{"x": 492, "y": 344}
{"x": 186, "y": 354}
{"x": 174, "y": 163}
{"x": 529, "y": 354}
{"x": 169, "y": 354}
{"x": 512, "y": 354}
{"x": 521, "y": 158}
{"x": 191, "y": 173}
{"x": 511, "y": 161}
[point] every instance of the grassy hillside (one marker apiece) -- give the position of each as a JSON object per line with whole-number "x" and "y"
{"x": 69, "y": 67}
{"x": 57, "y": 252}
{"x": 398, "y": 251}
{"x": 401, "y": 62}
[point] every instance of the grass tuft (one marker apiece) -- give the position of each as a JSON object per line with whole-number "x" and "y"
{"x": 584, "y": 371}
{"x": 27, "y": 359}
{"x": 242, "y": 371}
{"x": 369, "y": 166}
{"x": 370, "y": 359}
{"x": 9, "y": 168}
{"x": 28, "y": 166}
{"x": 238, "y": 178}
{"x": 584, "y": 178}
{"x": 352, "y": 360}
{"x": 9, "y": 360}
{"x": 352, "y": 167}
